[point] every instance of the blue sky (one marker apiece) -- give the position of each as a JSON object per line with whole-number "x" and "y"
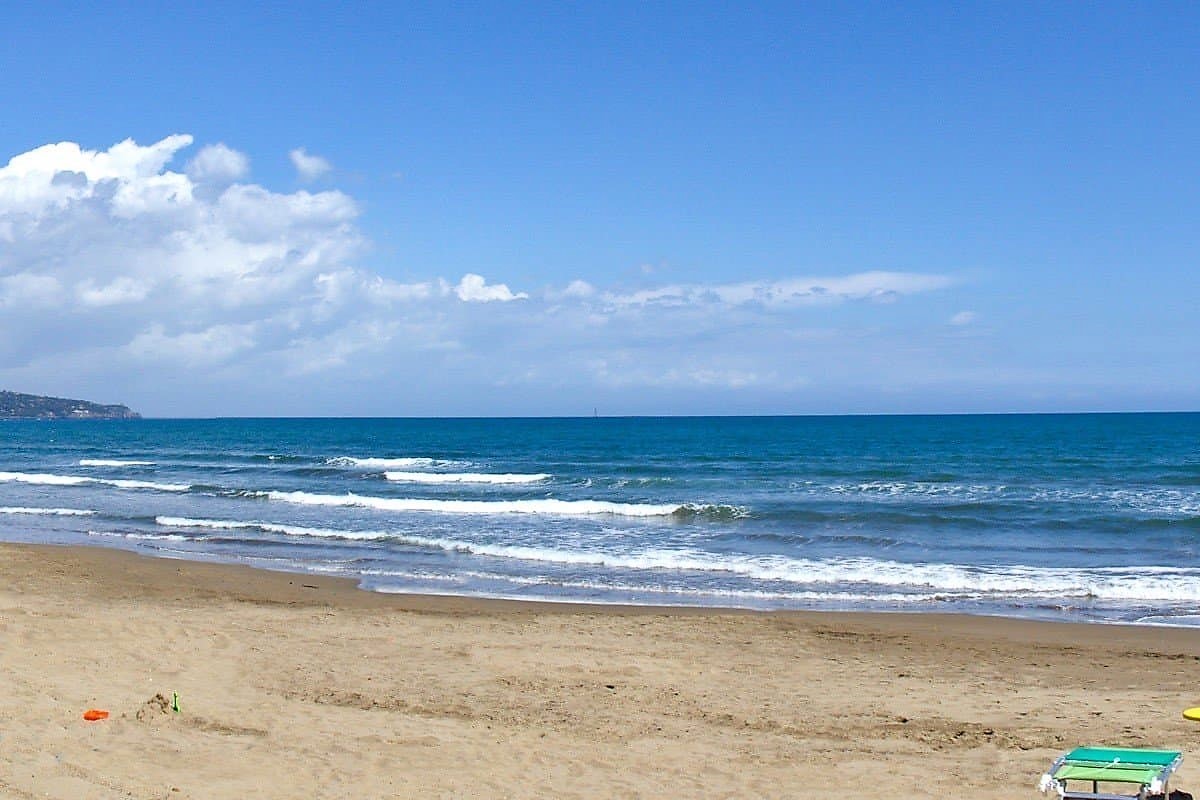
{"x": 643, "y": 208}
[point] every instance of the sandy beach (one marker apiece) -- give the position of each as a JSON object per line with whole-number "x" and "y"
{"x": 296, "y": 686}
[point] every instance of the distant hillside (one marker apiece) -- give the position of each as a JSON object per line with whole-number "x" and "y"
{"x": 32, "y": 406}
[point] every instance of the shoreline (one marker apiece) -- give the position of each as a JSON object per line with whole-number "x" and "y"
{"x": 320, "y": 689}
{"x": 255, "y": 584}
{"x": 348, "y": 588}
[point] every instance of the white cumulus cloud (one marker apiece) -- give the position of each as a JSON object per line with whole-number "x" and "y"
{"x": 474, "y": 289}
{"x": 310, "y": 167}
{"x": 218, "y": 163}
{"x": 93, "y": 230}
{"x": 56, "y": 176}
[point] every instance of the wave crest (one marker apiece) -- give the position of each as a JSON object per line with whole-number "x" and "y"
{"x": 389, "y": 463}
{"x": 837, "y": 578}
{"x": 545, "y": 506}
{"x": 51, "y": 479}
{"x": 712, "y": 511}
{"x": 466, "y": 477}
{"x": 268, "y": 527}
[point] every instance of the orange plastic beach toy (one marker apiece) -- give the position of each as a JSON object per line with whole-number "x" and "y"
{"x": 93, "y": 714}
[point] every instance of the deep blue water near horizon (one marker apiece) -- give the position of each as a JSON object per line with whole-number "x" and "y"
{"x": 1092, "y": 517}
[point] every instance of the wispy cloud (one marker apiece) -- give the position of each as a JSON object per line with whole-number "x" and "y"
{"x": 197, "y": 348}
{"x": 874, "y": 286}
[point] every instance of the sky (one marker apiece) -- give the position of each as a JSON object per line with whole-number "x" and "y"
{"x": 483, "y": 209}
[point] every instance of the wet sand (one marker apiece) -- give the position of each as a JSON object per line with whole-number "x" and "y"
{"x": 300, "y": 686}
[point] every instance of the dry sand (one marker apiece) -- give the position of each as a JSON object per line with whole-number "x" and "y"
{"x": 300, "y": 687}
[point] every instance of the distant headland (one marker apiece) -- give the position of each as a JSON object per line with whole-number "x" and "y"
{"x": 14, "y": 405}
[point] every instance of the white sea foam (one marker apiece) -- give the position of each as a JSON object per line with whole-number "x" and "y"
{"x": 634, "y": 588}
{"x": 545, "y": 506}
{"x": 867, "y": 576}
{"x": 389, "y": 463}
{"x": 1151, "y": 501}
{"x": 185, "y": 522}
{"x": 54, "y": 512}
{"x": 917, "y": 490}
{"x": 845, "y": 579}
{"x": 160, "y": 487}
{"x": 670, "y": 595}
{"x": 269, "y": 527}
{"x": 1170, "y": 620}
{"x": 169, "y": 537}
{"x": 44, "y": 478}
{"x": 165, "y": 537}
{"x": 112, "y": 462}
{"x": 51, "y": 479}
{"x": 465, "y": 477}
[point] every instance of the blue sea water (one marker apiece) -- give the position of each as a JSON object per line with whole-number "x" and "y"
{"x": 1085, "y": 517}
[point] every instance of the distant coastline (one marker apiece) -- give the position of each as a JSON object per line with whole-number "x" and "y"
{"x": 14, "y": 405}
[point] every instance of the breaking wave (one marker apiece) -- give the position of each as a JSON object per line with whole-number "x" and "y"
{"x": 389, "y": 463}
{"x": 268, "y": 527}
{"x": 545, "y": 506}
{"x": 836, "y": 578}
{"x": 465, "y": 477}
{"x": 51, "y": 479}
{"x": 164, "y": 537}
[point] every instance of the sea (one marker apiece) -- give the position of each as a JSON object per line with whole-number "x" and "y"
{"x": 1089, "y": 517}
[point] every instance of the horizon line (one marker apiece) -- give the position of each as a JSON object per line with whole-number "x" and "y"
{"x": 815, "y": 414}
